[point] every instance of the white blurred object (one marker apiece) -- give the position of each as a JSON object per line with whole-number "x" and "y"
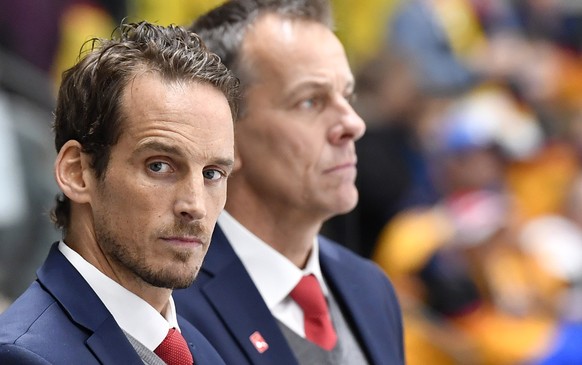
{"x": 490, "y": 116}
{"x": 13, "y": 199}
{"x": 556, "y": 243}
{"x": 477, "y": 216}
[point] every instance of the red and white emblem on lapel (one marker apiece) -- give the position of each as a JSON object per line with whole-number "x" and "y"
{"x": 259, "y": 342}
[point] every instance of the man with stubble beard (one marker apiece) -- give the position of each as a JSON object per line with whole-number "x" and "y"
{"x": 145, "y": 141}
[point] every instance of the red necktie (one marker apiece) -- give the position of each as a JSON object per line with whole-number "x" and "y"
{"x": 174, "y": 349}
{"x": 318, "y": 326}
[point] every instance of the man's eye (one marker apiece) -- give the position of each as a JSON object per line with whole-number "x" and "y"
{"x": 311, "y": 103}
{"x": 159, "y": 167}
{"x": 307, "y": 103}
{"x": 212, "y": 174}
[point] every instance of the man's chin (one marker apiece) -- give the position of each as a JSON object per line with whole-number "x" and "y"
{"x": 171, "y": 281}
{"x": 347, "y": 202}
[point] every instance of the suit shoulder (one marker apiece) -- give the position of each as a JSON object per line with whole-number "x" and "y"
{"x": 336, "y": 258}
{"x": 335, "y": 250}
{"x": 15, "y": 355}
{"x": 34, "y": 317}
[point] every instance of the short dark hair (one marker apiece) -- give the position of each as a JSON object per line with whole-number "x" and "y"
{"x": 89, "y": 99}
{"x": 223, "y": 28}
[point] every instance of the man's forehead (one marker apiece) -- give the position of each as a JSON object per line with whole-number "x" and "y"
{"x": 279, "y": 40}
{"x": 272, "y": 27}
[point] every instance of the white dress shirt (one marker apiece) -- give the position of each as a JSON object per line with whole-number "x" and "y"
{"x": 133, "y": 314}
{"x": 273, "y": 274}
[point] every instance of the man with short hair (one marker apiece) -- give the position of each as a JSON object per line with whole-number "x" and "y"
{"x": 271, "y": 291}
{"x": 144, "y": 134}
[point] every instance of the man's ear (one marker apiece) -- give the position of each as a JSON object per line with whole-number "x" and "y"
{"x": 73, "y": 173}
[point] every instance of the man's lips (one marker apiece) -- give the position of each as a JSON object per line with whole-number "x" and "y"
{"x": 183, "y": 240}
{"x": 340, "y": 167}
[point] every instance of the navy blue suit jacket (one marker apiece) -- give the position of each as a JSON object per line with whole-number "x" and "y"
{"x": 225, "y": 305}
{"x": 60, "y": 320}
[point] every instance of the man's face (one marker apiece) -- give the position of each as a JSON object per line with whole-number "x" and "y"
{"x": 165, "y": 183}
{"x": 296, "y": 138}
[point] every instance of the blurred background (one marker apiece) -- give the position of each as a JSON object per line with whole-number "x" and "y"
{"x": 469, "y": 175}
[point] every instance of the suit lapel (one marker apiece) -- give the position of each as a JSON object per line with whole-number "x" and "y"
{"x": 110, "y": 345}
{"x": 232, "y": 292}
{"x": 202, "y": 351}
{"x": 345, "y": 282}
{"x": 84, "y": 307}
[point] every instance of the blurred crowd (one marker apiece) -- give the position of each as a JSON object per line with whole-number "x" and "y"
{"x": 469, "y": 173}
{"x": 470, "y": 181}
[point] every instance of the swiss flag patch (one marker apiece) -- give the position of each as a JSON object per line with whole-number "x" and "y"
{"x": 259, "y": 342}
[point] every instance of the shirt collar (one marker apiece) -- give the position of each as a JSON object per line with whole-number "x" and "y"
{"x": 133, "y": 314}
{"x": 272, "y": 273}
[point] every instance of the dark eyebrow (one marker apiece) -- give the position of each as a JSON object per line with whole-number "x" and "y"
{"x": 169, "y": 149}
{"x": 318, "y": 85}
{"x": 309, "y": 85}
{"x": 226, "y": 162}
{"x": 158, "y": 146}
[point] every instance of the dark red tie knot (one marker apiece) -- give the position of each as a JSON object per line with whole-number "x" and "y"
{"x": 174, "y": 350}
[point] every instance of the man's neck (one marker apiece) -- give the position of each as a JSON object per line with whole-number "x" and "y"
{"x": 292, "y": 238}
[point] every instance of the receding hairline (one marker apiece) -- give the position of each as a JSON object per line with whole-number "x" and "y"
{"x": 256, "y": 45}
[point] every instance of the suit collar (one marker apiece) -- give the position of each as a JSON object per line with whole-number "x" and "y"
{"x": 134, "y": 315}
{"x": 273, "y": 274}
{"x": 233, "y": 297}
{"x": 84, "y": 307}
{"x": 346, "y": 283}
{"x": 69, "y": 288}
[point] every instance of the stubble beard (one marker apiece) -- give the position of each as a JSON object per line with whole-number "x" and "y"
{"x": 137, "y": 263}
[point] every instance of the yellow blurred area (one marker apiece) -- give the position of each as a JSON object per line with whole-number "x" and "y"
{"x": 460, "y": 23}
{"x": 79, "y": 24}
{"x": 485, "y": 337}
{"x": 361, "y": 25}
{"x": 418, "y": 234}
{"x": 503, "y": 339}
{"x": 514, "y": 321}
{"x": 540, "y": 184}
{"x": 166, "y": 12}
